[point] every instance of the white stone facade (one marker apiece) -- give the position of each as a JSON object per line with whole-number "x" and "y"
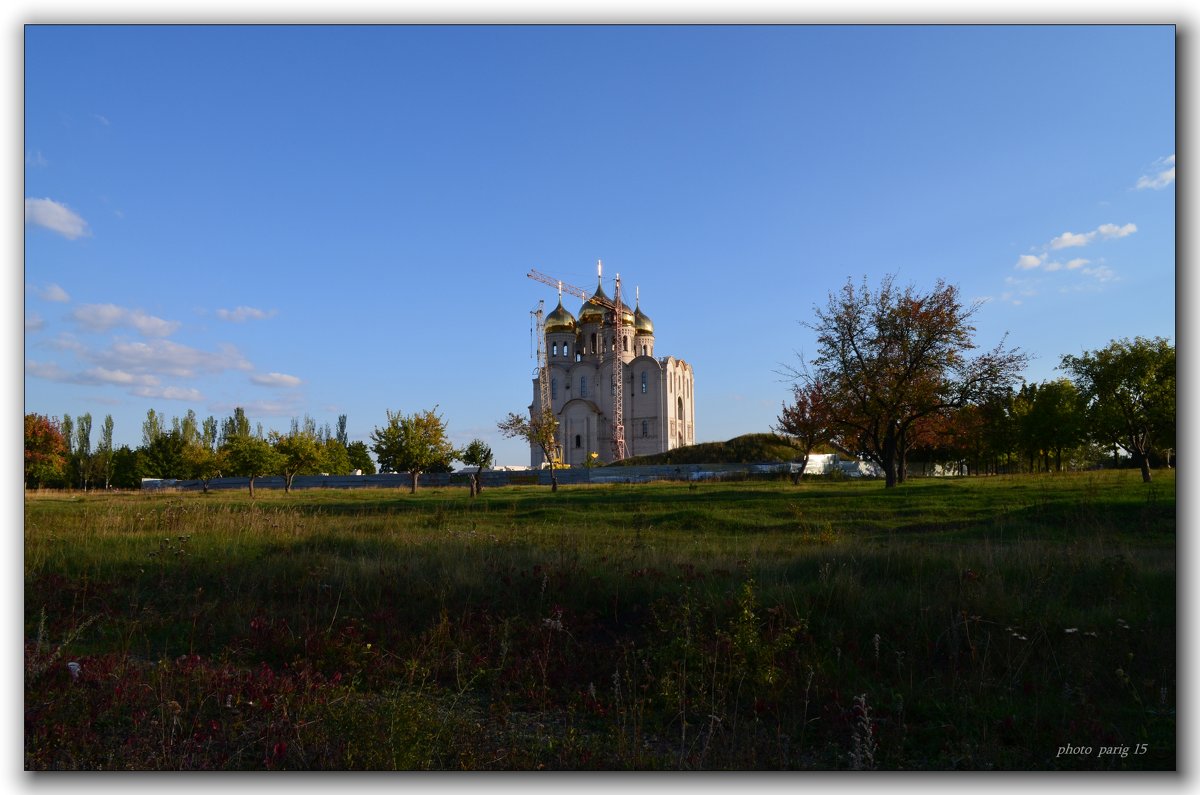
{"x": 659, "y": 393}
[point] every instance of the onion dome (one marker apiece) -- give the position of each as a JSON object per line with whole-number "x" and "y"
{"x": 560, "y": 320}
{"x": 592, "y": 312}
{"x": 642, "y": 323}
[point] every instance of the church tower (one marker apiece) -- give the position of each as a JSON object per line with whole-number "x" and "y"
{"x": 657, "y": 399}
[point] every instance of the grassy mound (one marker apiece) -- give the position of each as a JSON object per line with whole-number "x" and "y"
{"x": 752, "y": 448}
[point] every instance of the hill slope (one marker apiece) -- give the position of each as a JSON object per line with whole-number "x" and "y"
{"x": 752, "y": 448}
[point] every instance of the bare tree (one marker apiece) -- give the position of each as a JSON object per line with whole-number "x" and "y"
{"x": 540, "y": 430}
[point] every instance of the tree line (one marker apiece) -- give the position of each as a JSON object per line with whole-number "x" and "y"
{"x": 59, "y": 453}
{"x": 896, "y": 380}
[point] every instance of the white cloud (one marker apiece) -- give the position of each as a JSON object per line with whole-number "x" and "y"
{"x": 46, "y": 370}
{"x": 1070, "y": 239}
{"x": 1105, "y": 231}
{"x": 103, "y": 375}
{"x": 1028, "y": 261}
{"x": 55, "y": 217}
{"x": 276, "y": 380}
{"x": 35, "y": 159}
{"x": 1101, "y": 273}
{"x": 1054, "y": 266}
{"x": 1162, "y": 179}
{"x": 101, "y": 317}
{"x": 52, "y": 292}
{"x": 102, "y": 119}
{"x": 169, "y": 393}
{"x": 1110, "y": 231}
{"x": 243, "y": 313}
{"x": 1077, "y": 263}
{"x": 163, "y": 357}
{"x": 34, "y": 322}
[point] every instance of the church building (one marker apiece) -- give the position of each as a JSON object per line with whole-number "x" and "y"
{"x": 658, "y": 392}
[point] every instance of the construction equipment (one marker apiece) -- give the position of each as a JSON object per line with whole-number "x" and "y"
{"x": 543, "y": 372}
{"x": 612, "y": 318}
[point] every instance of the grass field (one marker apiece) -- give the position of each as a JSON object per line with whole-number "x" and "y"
{"x": 995, "y": 623}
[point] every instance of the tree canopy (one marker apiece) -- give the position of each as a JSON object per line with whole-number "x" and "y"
{"x": 413, "y": 443}
{"x": 477, "y": 454}
{"x": 1129, "y": 390}
{"x": 891, "y": 357}
{"x": 45, "y": 452}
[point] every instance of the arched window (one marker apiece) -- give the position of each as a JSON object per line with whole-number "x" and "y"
{"x": 645, "y": 384}
{"x": 643, "y": 350}
{"x": 679, "y": 408}
{"x": 555, "y": 353}
{"x": 578, "y": 441}
{"x": 593, "y": 343}
{"x": 582, "y": 387}
{"x": 566, "y": 352}
{"x": 554, "y": 389}
{"x": 625, "y": 342}
{"x": 645, "y": 429}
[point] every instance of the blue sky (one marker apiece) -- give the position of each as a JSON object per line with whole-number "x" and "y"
{"x": 338, "y": 220}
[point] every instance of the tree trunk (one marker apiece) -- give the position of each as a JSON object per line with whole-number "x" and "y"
{"x": 889, "y": 460}
{"x": 1144, "y": 463}
{"x": 475, "y": 479}
{"x": 251, "y": 487}
{"x": 553, "y": 477}
{"x": 287, "y": 483}
{"x": 413, "y": 475}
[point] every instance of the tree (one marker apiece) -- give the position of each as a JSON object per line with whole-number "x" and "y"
{"x": 163, "y": 457}
{"x": 45, "y": 452}
{"x": 540, "y": 429}
{"x": 236, "y": 426}
{"x": 299, "y": 454}
{"x": 250, "y": 457}
{"x": 806, "y": 420}
{"x": 68, "y": 432}
{"x": 889, "y": 358}
{"x": 125, "y": 468}
{"x": 333, "y": 458}
{"x": 152, "y": 427}
{"x": 83, "y": 449}
{"x": 104, "y": 451}
{"x": 1049, "y": 417}
{"x": 202, "y": 462}
{"x": 360, "y": 458}
{"x": 479, "y": 455}
{"x": 342, "y": 438}
{"x": 412, "y": 443}
{"x": 1129, "y": 390}
{"x": 208, "y": 434}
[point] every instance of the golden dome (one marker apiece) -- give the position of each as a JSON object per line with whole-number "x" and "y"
{"x": 642, "y": 323}
{"x": 591, "y": 312}
{"x": 560, "y": 320}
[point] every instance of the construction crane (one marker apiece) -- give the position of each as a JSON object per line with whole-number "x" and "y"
{"x": 612, "y": 318}
{"x": 543, "y": 371}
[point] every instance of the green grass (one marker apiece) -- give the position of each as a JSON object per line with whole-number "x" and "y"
{"x": 967, "y": 623}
